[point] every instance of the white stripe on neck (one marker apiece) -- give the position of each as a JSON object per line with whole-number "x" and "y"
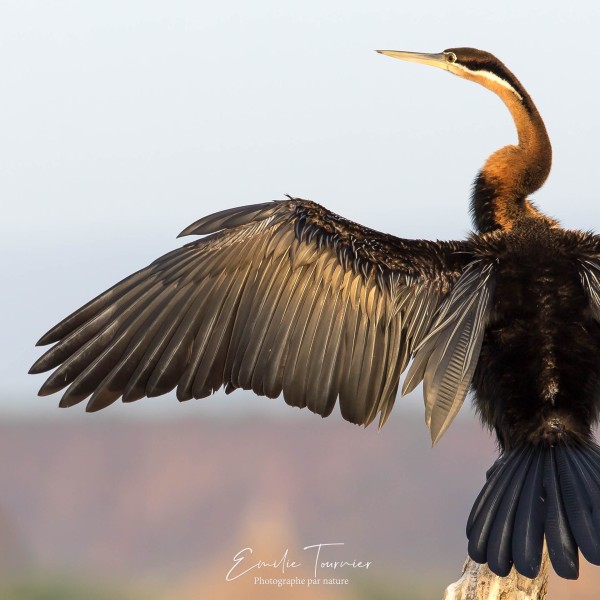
{"x": 493, "y": 77}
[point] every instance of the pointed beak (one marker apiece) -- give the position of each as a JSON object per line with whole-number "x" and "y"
{"x": 442, "y": 60}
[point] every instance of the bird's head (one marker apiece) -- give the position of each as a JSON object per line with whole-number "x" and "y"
{"x": 469, "y": 63}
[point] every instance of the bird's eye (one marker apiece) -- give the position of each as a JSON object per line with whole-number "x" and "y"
{"x": 451, "y": 57}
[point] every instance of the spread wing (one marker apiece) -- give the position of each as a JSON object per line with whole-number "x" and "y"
{"x": 281, "y": 297}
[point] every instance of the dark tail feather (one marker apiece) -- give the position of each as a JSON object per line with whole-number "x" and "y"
{"x": 483, "y": 515}
{"x": 537, "y": 491}
{"x": 500, "y": 543}
{"x": 561, "y": 543}
{"x": 528, "y": 534}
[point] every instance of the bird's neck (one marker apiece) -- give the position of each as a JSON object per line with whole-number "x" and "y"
{"x": 501, "y": 190}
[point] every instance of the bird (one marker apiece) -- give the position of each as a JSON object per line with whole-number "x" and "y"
{"x": 286, "y": 298}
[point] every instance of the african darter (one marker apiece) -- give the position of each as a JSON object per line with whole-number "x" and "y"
{"x": 289, "y": 298}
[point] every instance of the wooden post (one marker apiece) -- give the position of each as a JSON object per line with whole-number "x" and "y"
{"x": 479, "y": 583}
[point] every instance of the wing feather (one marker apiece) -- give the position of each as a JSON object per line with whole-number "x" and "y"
{"x": 590, "y": 278}
{"x": 446, "y": 358}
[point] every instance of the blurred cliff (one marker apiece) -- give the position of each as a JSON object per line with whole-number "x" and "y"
{"x": 157, "y": 510}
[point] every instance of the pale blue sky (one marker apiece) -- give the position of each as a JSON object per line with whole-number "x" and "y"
{"x": 124, "y": 121}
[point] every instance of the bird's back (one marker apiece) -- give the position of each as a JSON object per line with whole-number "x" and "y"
{"x": 537, "y": 374}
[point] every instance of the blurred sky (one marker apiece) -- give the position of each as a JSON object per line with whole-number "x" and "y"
{"x": 124, "y": 121}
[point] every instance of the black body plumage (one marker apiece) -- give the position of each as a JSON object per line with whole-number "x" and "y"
{"x": 287, "y": 298}
{"x": 542, "y": 342}
{"x": 536, "y": 385}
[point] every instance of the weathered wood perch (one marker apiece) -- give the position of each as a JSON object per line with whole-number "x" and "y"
{"x": 479, "y": 583}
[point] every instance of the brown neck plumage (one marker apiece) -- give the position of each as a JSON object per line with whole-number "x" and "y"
{"x": 512, "y": 173}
